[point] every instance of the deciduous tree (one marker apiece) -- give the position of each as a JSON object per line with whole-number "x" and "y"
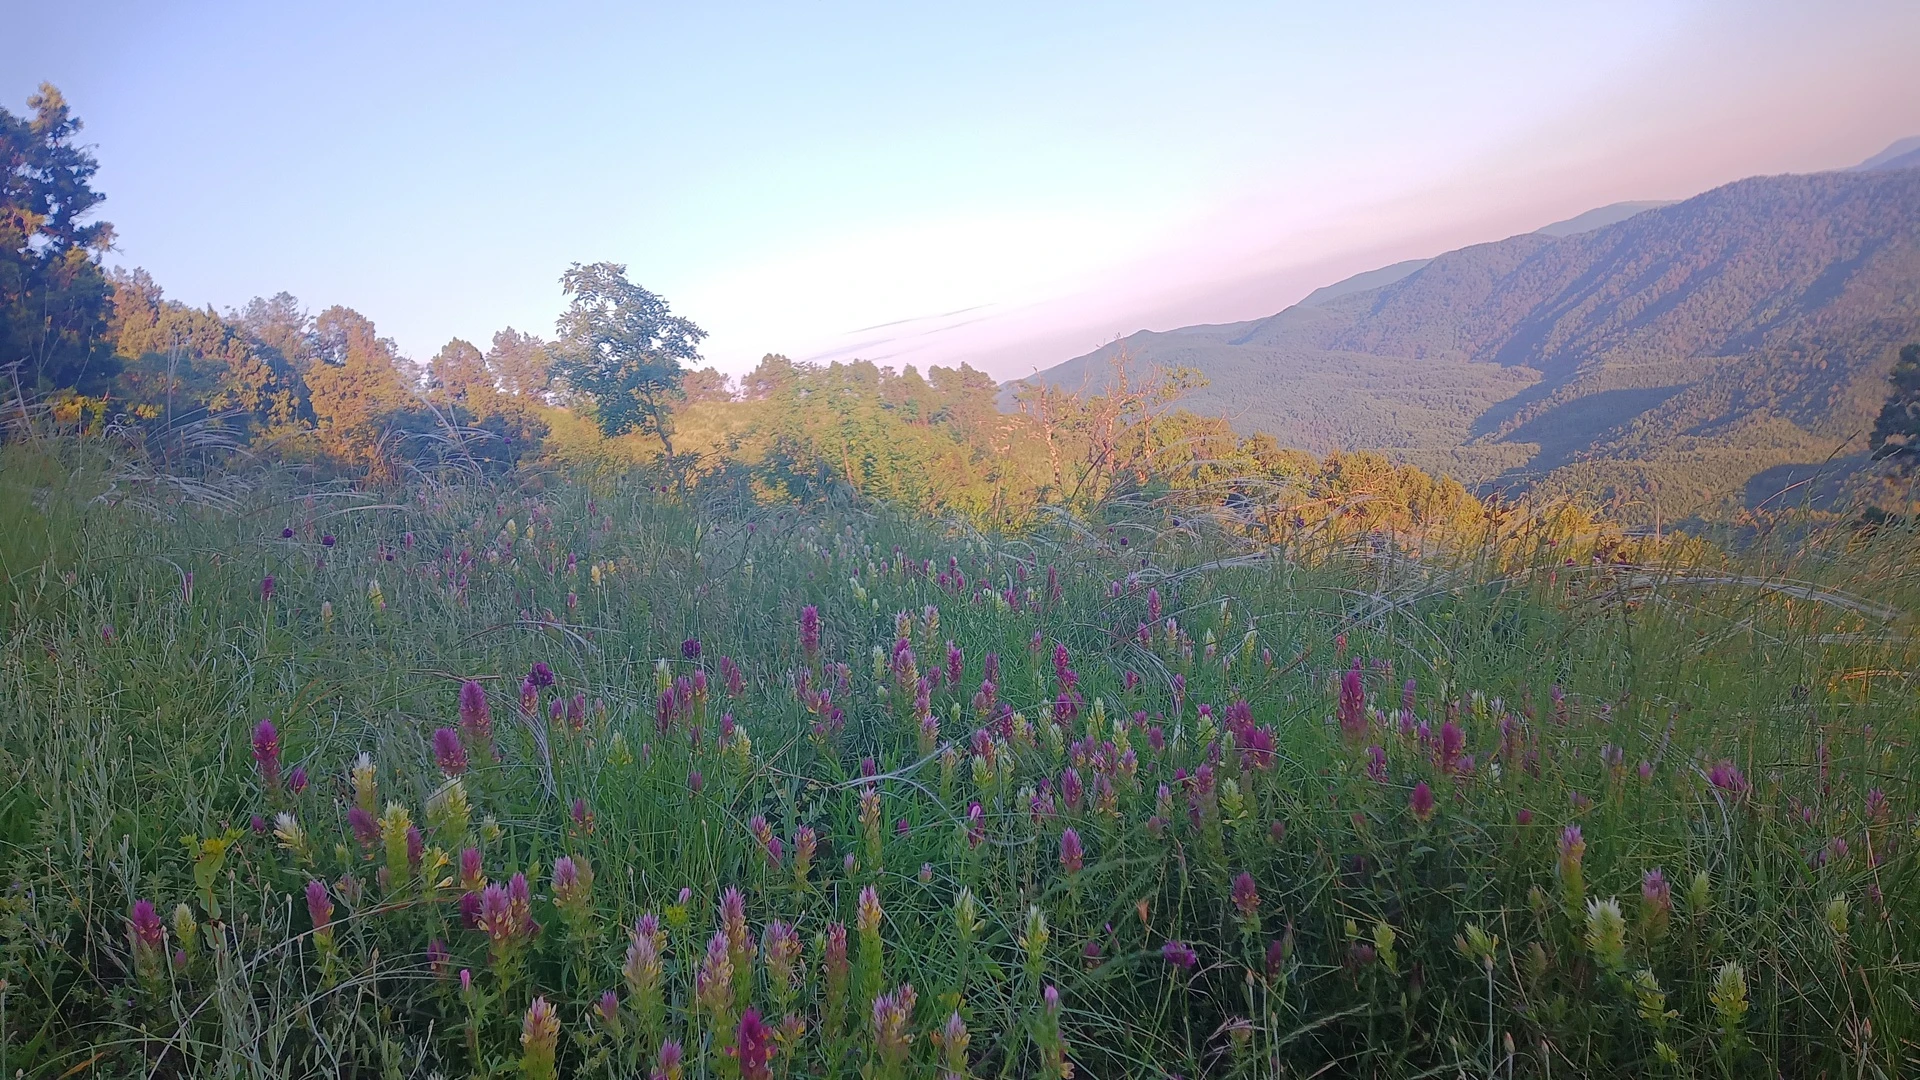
{"x": 621, "y": 349}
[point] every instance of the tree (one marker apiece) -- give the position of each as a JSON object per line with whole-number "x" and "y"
{"x": 1896, "y": 434}
{"x": 354, "y": 384}
{"x": 54, "y": 298}
{"x": 460, "y": 373}
{"x": 188, "y": 363}
{"x": 520, "y": 364}
{"x": 622, "y": 348}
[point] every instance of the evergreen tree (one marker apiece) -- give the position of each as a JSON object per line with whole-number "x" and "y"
{"x": 54, "y": 298}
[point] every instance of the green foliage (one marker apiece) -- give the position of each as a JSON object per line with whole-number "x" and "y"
{"x": 1896, "y": 432}
{"x": 54, "y": 298}
{"x": 621, "y": 348}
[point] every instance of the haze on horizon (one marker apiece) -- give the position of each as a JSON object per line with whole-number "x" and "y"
{"x": 1002, "y": 186}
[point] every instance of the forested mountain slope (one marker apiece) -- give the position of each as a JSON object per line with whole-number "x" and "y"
{"x": 1683, "y": 351}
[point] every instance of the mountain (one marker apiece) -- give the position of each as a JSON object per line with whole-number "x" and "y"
{"x": 1387, "y": 275}
{"x": 1599, "y": 217}
{"x": 1681, "y": 360}
{"x": 1364, "y": 281}
{"x": 1904, "y": 154}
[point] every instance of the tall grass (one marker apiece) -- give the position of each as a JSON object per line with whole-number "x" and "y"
{"x": 1414, "y": 903}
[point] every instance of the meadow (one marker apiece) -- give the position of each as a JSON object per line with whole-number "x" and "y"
{"x": 564, "y": 774}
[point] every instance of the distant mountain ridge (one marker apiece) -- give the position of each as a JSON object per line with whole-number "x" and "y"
{"x": 1683, "y": 354}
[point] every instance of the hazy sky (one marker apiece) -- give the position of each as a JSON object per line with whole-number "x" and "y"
{"x": 1010, "y": 184}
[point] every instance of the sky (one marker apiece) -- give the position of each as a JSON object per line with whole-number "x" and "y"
{"x": 1008, "y": 185}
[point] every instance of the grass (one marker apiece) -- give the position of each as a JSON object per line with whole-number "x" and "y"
{"x": 1746, "y": 730}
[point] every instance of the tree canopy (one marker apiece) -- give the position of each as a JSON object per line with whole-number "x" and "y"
{"x": 621, "y": 348}
{"x": 1896, "y": 434}
{"x": 54, "y": 298}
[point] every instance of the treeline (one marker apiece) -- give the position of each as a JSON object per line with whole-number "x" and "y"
{"x": 92, "y": 349}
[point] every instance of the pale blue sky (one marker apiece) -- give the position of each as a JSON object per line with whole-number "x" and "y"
{"x": 789, "y": 175}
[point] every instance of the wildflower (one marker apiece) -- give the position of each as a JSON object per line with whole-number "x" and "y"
{"x": 1656, "y": 904}
{"x": 953, "y": 1040}
{"x": 695, "y": 781}
{"x": 1377, "y": 764}
{"x": 810, "y": 631}
{"x": 1053, "y": 1048}
{"x": 892, "y": 1012}
{"x": 1383, "y": 940}
{"x": 1246, "y": 899}
{"x": 642, "y": 973}
{"x": 1699, "y": 894}
{"x": 266, "y": 587}
{"x": 266, "y": 753}
{"x": 733, "y": 923}
{"x": 365, "y": 828}
{"x": 286, "y": 534}
{"x": 1421, "y": 802}
{"x": 1071, "y": 856}
{"x": 448, "y": 752}
{"x": 781, "y": 947}
{"x": 297, "y": 780}
{"x": 1836, "y": 917}
{"x": 1729, "y": 997}
{"x": 326, "y": 540}
{"x": 1727, "y": 777}
{"x": 1179, "y": 954}
{"x": 448, "y": 811}
{"x": 1352, "y": 709}
{"x": 608, "y": 1010}
{"x": 293, "y": 838}
{"x": 1479, "y": 944}
{"x": 472, "y": 877}
{"x": 320, "y": 912}
{"x": 148, "y": 936}
{"x": 1607, "y": 933}
{"x": 366, "y": 791}
{"x": 1573, "y": 848}
{"x": 1447, "y": 752}
{"x": 751, "y": 1047}
{"x": 805, "y": 844}
{"x": 713, "y": 981}
{"x": 1650, "y": 1000}
{"x": 690, "y": 649}
{"x": 438, "y": 957}
{"x": 539, "y": 1040}
{"x": 667, "y": 1061}
{"x": 833, "y": 962}
{"x": 572, "y": 887}
{"x": 393, "y": 834}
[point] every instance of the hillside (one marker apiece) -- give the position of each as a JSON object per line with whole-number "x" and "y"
{"x": 1687, "y": 348}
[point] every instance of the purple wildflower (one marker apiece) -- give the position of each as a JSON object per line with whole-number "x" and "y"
{"x": 1421, "y": 802}
{"x": 1179, "y": 954}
